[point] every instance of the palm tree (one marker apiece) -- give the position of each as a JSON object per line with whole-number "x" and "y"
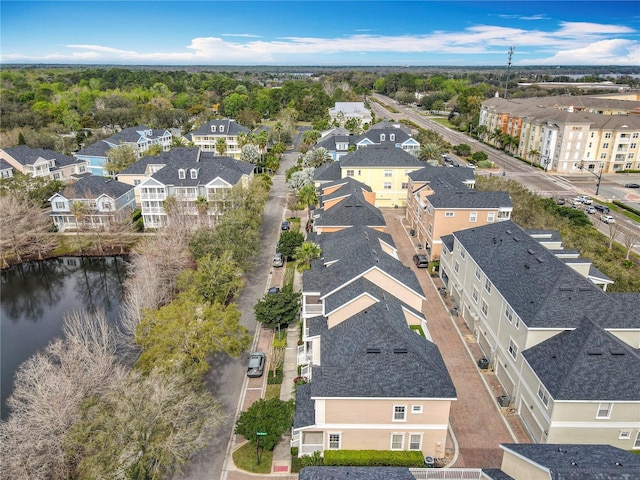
{"x": 221, "y": 145}
{"x": 202, "y": 206}
{"x": 305, "y": 253}
{"x": 262, "y": 140}
{"x": 533, "y": 153}
{"x": 429, "y": 151}
{"x": 243, "y": 139}
{"x": 278, "y": 128}
{"x": 308, "y": 196}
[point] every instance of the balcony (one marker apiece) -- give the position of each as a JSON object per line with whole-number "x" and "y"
{"x": 153, "y": 210}
{"x": 153, "y": 196}
{"x": 311, "y": 310}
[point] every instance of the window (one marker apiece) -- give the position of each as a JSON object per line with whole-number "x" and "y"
{"x": 509, "y": 314}
{"x": 416, "y": 408}
{"x": 382, "y": 137}
{"x": 221, "y": 128}
{"x": 194, "y": 173}
{"x": 388, "y": 173}
{"x": 473, "y": 217}
{"x": 387, "y": 185}
{"x": 456, "y": 267}
{"x": 605, "y": 145}
{"x": 397, "y": 440}
{"x": 449, "y": 214}
{"x": 60, "y": 205}
{"x": 487, "y": 285}
{"x": 607, "y": 135}
{"x": 399, "y": 413}
{"x": 604, "y": 410}
{"x": 463, "y": 253}
{"x": 136, "y": 182}
{"x": 517, "y": 324}
{"x": 474, "y": 294}
{"x": 603, "y": 155}
{"x": 478, "y": 273}
{"x": 405, "y": 185}
{"x": 635, "y": 135}
{"x": 213, "y": 128}
{"x": 415, "y": 441}
{"x": 636, "y": 444}
{"x": 633, "y": 145}
{"x": 181, "y": 174}
{"x": 334, "y": 441}
{"x": 624, "y": 435}
{"x": 491, "y": 217}
{"x": 392, "y": 137}
{"x": 513, "y": 349}
{"x": 484, "y": 308}
{"x": 543, "y": 394}
{"x": 350, "y": 173}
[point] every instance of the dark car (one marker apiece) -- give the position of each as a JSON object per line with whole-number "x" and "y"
{"x": 421, "y": 261}
{"x": 256, "y": 364}
{"x": 561, "y": 201}
{"x": 285, "y": 225}
{"x": 632, "y": 185}
{"x": 274, "y": 290}
{"x": 602, "y": 208}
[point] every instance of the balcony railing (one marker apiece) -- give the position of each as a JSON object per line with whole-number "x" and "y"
{"x": 153, "y": 196}
{"x": 152, "y": 210}
{"x": 313, "y": 309}
{"x": 446, "y": 473}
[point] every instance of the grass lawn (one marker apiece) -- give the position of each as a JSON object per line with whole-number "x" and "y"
{"x": 245, "y": 458}
{"x": 418, "y": 329}
{"x": 273, "y": 391}
{"x": 443, "y": 121}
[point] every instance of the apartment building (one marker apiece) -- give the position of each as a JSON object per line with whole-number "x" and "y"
{"x": 40, "y": 162}
{"x": 207, "y": 136}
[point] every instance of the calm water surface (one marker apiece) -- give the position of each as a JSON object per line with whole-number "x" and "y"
{"x": 36, "y": 296}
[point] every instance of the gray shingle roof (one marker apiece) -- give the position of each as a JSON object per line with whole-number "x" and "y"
{"x": 400, "y": 136}
{"x": 543, "y": 291}
{"x": 354, "y": 251}
{"x": 374, "y": 354}
{"x": 353, "y": 209}
{"x": 380, "y": 156}
{"x": 581, "y": 462}
{"x": 329, "y": 172}
{"x": 4, "y": 165}
{"x": 468, "y": 198}
{"x": 231, "y": 127}
{"x": 329, "y": 142}
{"x": 496, "y": 474}
{"x": 126, "y": 135}
{"x": 305, "y": 413}
{"x": 386, "y": 124}
{"x": 355, "y": 473}
{"x": 26, "y": 155}
{"x": 176, "y": 155}
{"x": 587, "y": 363}
{"x": 447, "y": 177}
{"x": 92, "y": 186}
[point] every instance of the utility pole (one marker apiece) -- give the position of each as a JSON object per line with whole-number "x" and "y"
{"x": 506, "y": 84}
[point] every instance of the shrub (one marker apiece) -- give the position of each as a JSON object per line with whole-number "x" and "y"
{"x": 371, "y": 458}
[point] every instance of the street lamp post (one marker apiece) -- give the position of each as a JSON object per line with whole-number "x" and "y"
{"x": 597, "y": 175}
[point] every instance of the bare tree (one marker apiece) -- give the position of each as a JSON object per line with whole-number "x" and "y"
{"x": 49, "y": 389}
{"x": 15, "y": 224}
{"x": 614, "y": 230}
{"x": 631, "y": 237}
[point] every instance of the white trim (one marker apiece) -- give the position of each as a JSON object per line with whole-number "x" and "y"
{"x": 597, "y": 425}
{"x": 417, "y": 409}
{"x": 344, "y": 305}
{"x": 401, "y": 441}
{"x": 422, "y": 427}
{"x": 404, "y": 417}
{"x": 329, "y": 441}
{"x": 385, "y": 399}
{"x": 419, "y": 443}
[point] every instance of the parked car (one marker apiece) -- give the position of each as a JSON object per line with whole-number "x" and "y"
{"x": 256, "y": 364}
{"x": 632, "y": 185}
{"x": 561, "y": 201}
{"x": 607, "y": 219}
{"x": 602, "y": 208}
{"x": 278, "y": 260}
{"x": 590, "y": 210}
{"x": 285, "y": 225}
{"x": 421, "y": 261}
{"x": 584, "y": 199}
{"x": 273, "y": 290}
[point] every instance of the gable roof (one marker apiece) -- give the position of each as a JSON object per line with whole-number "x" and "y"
{"x": 400, "y": 136}
{"x": 25, "y": 155}
{"x": 95, "y": 186}
{"x": 329, "y": 172}
{"x": 231, "y": 127}
{"x": 374, "y": 354}
{"x": 443, "y": 177}
{"x": 384, "y": 124}
{"x": 542, "y": 289}
{"x": 353, "y": 209}
{"x": 587, "y": 363}
{"x": 380, "y": 156}
{"x": 124, "y": 136}
{"x": 579, "y": 462}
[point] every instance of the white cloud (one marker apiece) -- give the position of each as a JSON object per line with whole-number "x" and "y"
{"x": 540, "y": 16}
{"x": 244, "y": 35}
{"x": 604, "y": 52}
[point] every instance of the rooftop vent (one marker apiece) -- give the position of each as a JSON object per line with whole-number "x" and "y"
{"x": 399, "y": 350}
{"x": 594, "y": 352}
{"x": 509, "y": 232}
{"x": 516, "y": 239}
{"x": 566, "y": 289}
{"x": 539, "y": 259}
{"x": 616, "y": 351}
{"x": 373, "y": 350}
{"x": 531, "y": 251}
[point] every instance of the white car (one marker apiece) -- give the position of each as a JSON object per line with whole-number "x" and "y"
{"x": 584, "y": 199}
{"x": 590, "y": 210}
{"x": 607, "y": 219}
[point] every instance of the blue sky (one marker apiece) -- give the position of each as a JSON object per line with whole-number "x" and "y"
{"x": 320, "y": 33}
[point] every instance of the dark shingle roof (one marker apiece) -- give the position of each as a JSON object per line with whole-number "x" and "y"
{"x": 468, "y": 198}
{"x": 380, "y": 156}
{"x": 355, "y": 473}
{"x": 400, "y": 136}
{"x": 329, "y": 172}
{"x": 4, "y": 165}
{"x": 451, "y": 177}
{"x": 176, "y": 155}
{"x": 374, "y": 354}
{"x": 26, "y": 155}
{"x": 231, "y": 127}
{"x": 353, "y": 209}
{"x": 543, "y": 291}
{"x": 126, "y": 135}
{"x": 580, "y": 462}
{"x": 305, "y": 413}
{"x": 386, "y": 124}
{"x": 496, "y": 474}
{"x": 92, "y": 186}
{"x": 587, "y": 363}
{"x": 354, "y": 250}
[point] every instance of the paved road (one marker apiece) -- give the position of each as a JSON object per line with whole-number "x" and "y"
{"x": 225, "y": 380}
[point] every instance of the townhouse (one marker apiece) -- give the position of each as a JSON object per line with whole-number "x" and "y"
{"x": 564, "y": 350}
{"x": 139, "y": 138}
{"x": 442, "y": 200}
{"x": 228, "y": 130}
{"x": 104, "y": 201}
{"x": 385, "y": 169}
{"x": 377, "y": 381}
{"x": 595, "y": 134}
{"x": 346, "y": 203}
{"x": 198, "y": 180}
{"x": 39, "y": 162}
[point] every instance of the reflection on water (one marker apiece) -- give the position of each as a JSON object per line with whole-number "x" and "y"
{"x": 35, "y": 296}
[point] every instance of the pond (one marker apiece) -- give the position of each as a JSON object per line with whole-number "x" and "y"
{"x": 36, "y": 296}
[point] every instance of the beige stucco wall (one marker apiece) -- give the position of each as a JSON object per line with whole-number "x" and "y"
{"x": 395, "y": 288}
{"x": 433, "y": 440}
{"x": 630, "y": 337}
{"x": 521, "y": 469}
{"x": 349, "y": 310}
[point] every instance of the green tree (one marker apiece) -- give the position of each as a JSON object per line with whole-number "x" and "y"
{"x": 144, "y": 427}
{"x": 479, "y": 156}
{"x": 153, "y": 151}
{"x": 305, "y": 253}
{"x": 273, "y": 416}
{"x": 316, "y": 157}
{"x": 179, "y": 337}
{"x": 429, "y": 152}
{"x": 308, "y": 197}
{"x": 462, "y": 150}
{"x": 278, "y": 308}
{"x": 250, "y": 154}
{"x": 289, "y": 241}
{"x": 214, "y": 279}
{"x": 38, "y": 189}
{"x": 221, "y": 145}
{"x": 119, "y": 158}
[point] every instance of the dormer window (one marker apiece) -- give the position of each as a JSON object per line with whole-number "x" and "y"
{"x": 213, "y": 128}
{"x": 382, "y": 137}
{"x": 392, "y": 137}
{"x": 181, "y": 174}
{"x": 221, "y": 128}
{"x": 194, "y": 173}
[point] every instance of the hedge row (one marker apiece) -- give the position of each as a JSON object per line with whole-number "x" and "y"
{"x": 371, "y": 458}
{"x": 626, "y": 207}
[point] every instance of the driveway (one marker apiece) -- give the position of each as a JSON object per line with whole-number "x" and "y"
{"x": 478, "y": 424}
